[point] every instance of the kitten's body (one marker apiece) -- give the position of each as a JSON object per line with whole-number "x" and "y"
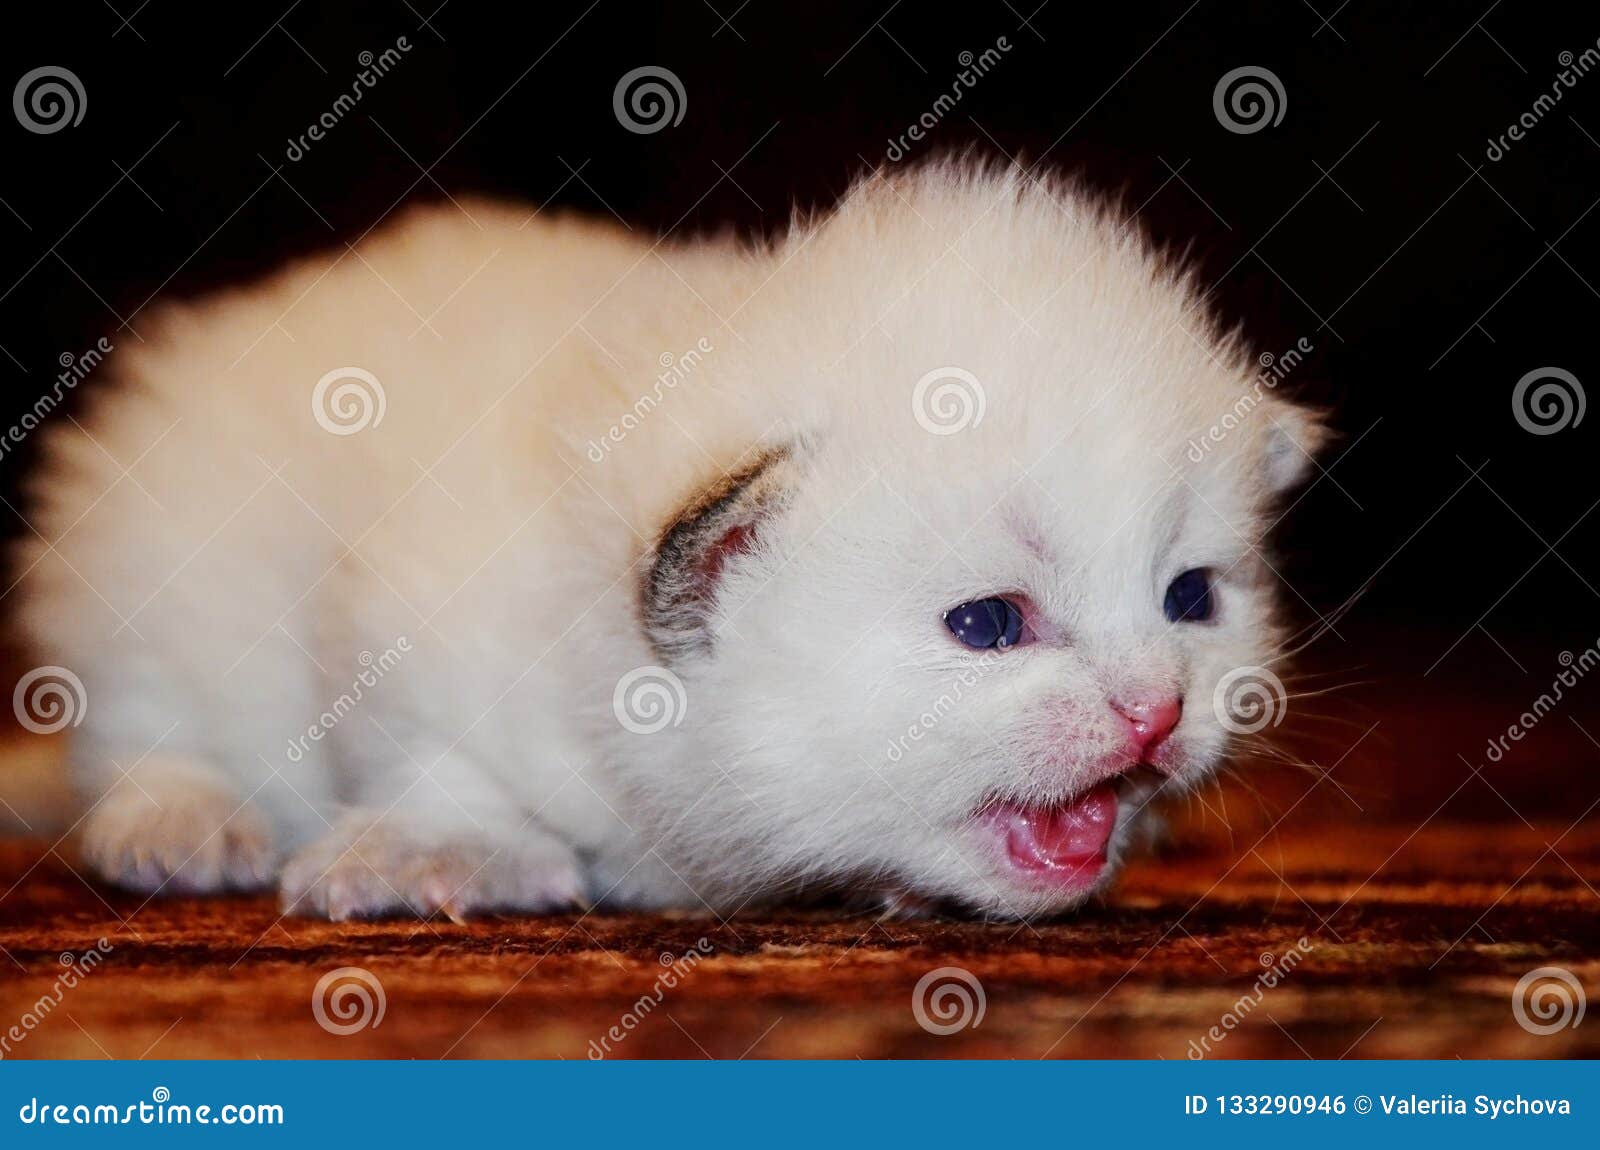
{"x": 498, "y": 532}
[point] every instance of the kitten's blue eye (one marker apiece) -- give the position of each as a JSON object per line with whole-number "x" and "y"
{"x": 986, "y": 623}
{"x": 1189, "y": 597}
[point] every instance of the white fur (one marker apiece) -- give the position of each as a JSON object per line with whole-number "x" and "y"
{"x": 248, "y": 546}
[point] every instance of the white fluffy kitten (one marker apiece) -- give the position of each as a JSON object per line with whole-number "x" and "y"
{"x": 410, "y": 666}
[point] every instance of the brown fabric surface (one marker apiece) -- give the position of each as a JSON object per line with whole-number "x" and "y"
{"x": 1416, "y": 946}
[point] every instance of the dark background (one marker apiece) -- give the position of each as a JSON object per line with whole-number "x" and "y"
{"x": 1369, "y": 221}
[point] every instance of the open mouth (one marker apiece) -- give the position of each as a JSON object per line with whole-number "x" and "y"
{"x": 1064, "y": 844}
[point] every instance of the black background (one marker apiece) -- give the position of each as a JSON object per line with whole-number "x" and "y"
{"x": 1428, "y": 279}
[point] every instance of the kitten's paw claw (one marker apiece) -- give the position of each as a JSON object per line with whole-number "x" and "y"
{"x": 178, "y": 840}
{"x": 393, "y": 868}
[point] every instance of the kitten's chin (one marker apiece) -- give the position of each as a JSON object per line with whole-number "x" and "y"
{"x": 1030, "y": 860}
{"x": 1048, "y": 858}
{"x": 1062, "y": 846}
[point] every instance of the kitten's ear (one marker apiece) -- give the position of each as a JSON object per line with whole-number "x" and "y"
{"x": 719, "y": 527}
{"x": 1295, "y": 436}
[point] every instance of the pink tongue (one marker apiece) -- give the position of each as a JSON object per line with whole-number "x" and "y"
{"x": 1066, "y": 843}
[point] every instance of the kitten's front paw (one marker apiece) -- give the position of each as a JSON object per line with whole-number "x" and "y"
{"x": 185, "y": 838}
{"x": 396, "y": 867}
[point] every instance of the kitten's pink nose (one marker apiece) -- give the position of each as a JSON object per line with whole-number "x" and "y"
{"x": 1150, "y": 719}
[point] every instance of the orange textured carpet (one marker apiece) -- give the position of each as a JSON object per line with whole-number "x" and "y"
{"x": 1416, "y": 945}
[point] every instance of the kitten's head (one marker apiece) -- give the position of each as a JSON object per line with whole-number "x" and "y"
{"x": 1001, "y": 581}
